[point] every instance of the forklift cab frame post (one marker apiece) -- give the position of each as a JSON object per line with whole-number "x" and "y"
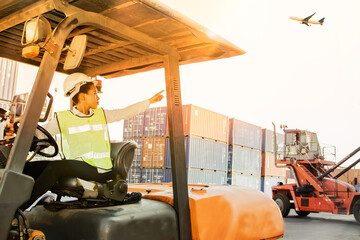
{"x": 12, "y": 177}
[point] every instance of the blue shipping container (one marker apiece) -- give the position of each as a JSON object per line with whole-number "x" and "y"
{"x": 202, "y": 154}
{"x": 267, "y": 143}
{"x": 201, "y": 176}
{"x": 244, "y": 159}
{"x": 138, "y": 152}
{"x": 134, "y": 175}
{"x": 152, "y": 175}
{"x": 244, "y": 134}
{"x": 155, "y": 122}
{"x": 134, "y": 127}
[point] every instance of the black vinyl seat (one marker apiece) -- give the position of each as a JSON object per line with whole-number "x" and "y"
{"x": 122, "y": 154}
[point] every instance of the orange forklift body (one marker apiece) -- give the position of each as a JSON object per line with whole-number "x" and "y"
{"x": 223, "y": 211}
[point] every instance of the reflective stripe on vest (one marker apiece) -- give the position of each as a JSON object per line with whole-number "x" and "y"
{"x": 85, "y": 138}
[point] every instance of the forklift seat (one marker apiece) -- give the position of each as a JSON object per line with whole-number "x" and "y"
{"x": 122, "y": 154}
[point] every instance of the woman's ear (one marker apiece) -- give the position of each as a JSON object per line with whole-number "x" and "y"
{"x": 81, "y": 97}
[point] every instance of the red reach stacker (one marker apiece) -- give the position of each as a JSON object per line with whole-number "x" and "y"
{"x": 316, "y": 188}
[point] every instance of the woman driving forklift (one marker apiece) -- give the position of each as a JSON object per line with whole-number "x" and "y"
{"x": 84, "y": 139}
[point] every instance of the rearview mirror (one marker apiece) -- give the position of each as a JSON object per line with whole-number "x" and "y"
{"x": 76, "y": 52}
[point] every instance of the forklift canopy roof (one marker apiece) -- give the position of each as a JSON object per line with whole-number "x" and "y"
{"x": 145, "y": 31}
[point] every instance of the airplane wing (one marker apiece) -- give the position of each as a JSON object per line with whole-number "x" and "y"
{"x": 307, "y": 18}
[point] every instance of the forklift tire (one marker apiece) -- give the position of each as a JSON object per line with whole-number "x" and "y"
{"x": 356, "y": 210}
{"x": 302, "y": 213}
{"x": 283, "y": 203}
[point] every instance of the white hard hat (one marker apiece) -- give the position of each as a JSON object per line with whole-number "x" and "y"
{"x": 73, "y": 83}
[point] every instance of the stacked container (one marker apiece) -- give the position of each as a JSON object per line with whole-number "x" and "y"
{"x": 8, "y": 77}
{"x": 134, "y": 131}
{"x": 270, "y": 174}
{"x": 206, "y": 136}
{"x": 244, "y": 163}
{"x": 134, "y": 127}
{"x": 153, "y": 152}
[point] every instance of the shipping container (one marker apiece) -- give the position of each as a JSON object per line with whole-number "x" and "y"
{"x": 268, "y": 182}
{"x": 243, "y": 179}
{"x": 352, "y": 175}
{"x": 155, "y": 120}
{"x": 202, "y": 154}
{"x": 134, "y": 127}
{"x": 244, "y": 134}
{"x": 267, "y": 144}
{"x": 8, "y": 79}
{"x": 349, "y": 176}
{"x": 134, "y": 175}
{"x": 268, "y": 168}
{"x": 289, "y": 173}
{"x": 138, "y": 152}
{"x": 202, "y": 123}
{"x": 152, "y": 175}
{"x": 153, "y": 152}
{"x": 201, "y": 176}
{"x": 244, "y": 159}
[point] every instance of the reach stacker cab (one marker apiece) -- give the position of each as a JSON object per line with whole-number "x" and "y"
{"x": 316, "y": 188}
{"x": 115, "y": 38}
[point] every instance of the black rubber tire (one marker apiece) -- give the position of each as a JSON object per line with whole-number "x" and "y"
{"x": 356, "y": 210}
{"x": 283, "y": 203}
{"x": 302, "y": 213}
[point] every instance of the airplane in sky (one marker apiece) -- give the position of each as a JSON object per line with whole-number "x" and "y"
{"x": 307, "y": 20}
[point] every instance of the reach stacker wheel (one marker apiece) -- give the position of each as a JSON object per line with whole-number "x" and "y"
{"x": 302, "y": 213}
{"x": 283, "y": 203}
{"x": 356, "y": 210}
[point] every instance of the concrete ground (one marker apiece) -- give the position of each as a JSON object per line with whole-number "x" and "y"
{"x": 321, "y": 226}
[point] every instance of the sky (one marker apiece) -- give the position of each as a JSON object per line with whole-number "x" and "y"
{"x": 304, "y": 77}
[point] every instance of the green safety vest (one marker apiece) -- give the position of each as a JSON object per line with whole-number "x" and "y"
{"x": 85, "y": 138}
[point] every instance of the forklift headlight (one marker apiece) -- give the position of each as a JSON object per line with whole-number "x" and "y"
{"x": 36, "y": 33}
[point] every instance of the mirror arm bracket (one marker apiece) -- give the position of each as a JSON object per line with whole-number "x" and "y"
{"x": 51, "y": 47}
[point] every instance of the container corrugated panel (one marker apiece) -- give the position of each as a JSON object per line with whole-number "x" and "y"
{"x": 271, "y": 181}
{"x": 168, "y": 156}
{"x": 267, "y": 144}
{"x": 243, "y": 179}
{"x": 244, "y": 134}
{"x": 8, "y": 77}
{"x": 268, "y": 166}
{"x": 202, "y": 154}
{"x": 289, "y": 174}
{"x": 134, "y": 175}
{"x": 138, "y": 152}
{"x": 134, "y": 127}
{"x": 199, "y": 122}
{"x": 152, "y": 175}
{"x": 244, "y": 159}
{"x": 168, "y": 175}
{"x": 155, "y": 122}
{"x": 201, "y": 176}
{"x": 153, "y": 154}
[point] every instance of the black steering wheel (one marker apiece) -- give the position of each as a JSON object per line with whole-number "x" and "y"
{"x": 39, "y": 144}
